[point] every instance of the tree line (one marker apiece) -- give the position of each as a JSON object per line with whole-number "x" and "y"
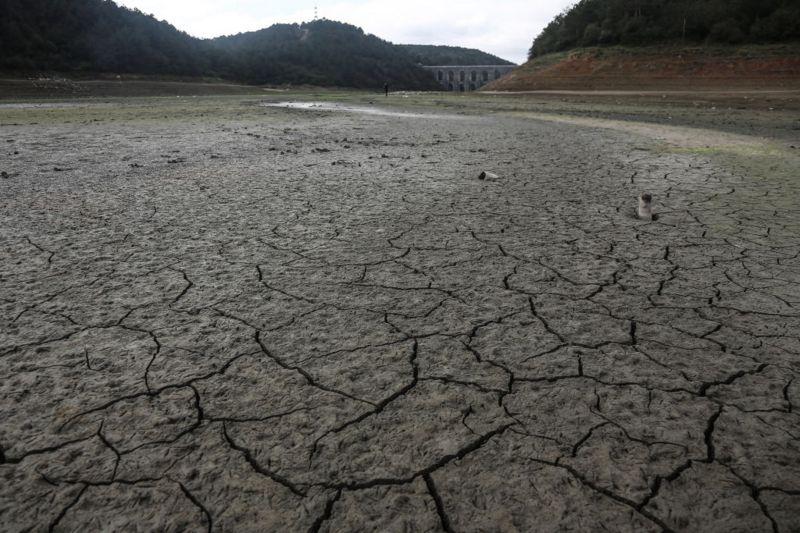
{"x": 644, "y": 22}
{"x": 451, "y": 55}
{"x": 95, "y": 35}
{"x": 98, "y": 36}
{"x": 322, "y": 52}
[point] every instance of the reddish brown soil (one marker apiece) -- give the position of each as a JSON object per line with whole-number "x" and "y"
{"x": 651, "y": 68}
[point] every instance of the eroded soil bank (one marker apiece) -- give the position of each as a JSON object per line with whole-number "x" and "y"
{"x": 218, "y": 315}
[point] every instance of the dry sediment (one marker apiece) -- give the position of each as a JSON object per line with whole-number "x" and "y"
{"x": 302, "y": 320}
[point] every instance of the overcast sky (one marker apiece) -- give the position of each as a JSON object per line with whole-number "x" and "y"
{"x": 503, "y": 27}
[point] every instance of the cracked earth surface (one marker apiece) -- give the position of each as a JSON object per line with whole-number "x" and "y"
{"x": 316, "y": 321}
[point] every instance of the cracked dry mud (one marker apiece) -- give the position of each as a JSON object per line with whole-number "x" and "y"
{"x": 285, "y": 320}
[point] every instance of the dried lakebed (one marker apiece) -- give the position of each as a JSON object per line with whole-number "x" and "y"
{"x": 218, "y": 316}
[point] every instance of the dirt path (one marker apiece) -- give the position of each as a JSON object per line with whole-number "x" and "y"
{"x": 223, "y": 316}
{"x": 677, "y": 136}
{"x": 670, "y": 92}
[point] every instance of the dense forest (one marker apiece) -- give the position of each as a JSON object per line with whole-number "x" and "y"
{"x": 322, "y": 52}
{"x": 643, "y": 22}
{"x": 451, "y": 55}
{"x": 98, "y": 36}
{"x": 94, "y": 35}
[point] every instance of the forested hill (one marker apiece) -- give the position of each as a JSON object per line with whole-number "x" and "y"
{"x": 645, "y": 22}
{"x": 322, "y": 52}
{"x": 98, "y": 36}
{"x": 451, "y": 55}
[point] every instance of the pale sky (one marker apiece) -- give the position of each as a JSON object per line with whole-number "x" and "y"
{"x": 505, "y": 28}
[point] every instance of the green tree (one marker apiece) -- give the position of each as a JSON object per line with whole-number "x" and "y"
{"x": 642, "y": 22}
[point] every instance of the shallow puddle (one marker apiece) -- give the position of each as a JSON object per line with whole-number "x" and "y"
{"x": 343, "y": 108}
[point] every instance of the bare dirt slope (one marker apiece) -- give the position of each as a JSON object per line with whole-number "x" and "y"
{"x": 219, "y": 316}
{"x": 659, "y": 68}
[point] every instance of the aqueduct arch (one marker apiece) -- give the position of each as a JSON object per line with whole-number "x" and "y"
{"x": 466, "y": 78}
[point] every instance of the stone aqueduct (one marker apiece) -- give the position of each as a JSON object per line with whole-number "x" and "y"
{"x": 464, "y": 78}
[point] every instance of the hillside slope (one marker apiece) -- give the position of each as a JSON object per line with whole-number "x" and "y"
{"x": 451, "y": 55}
{"x": 97, "y": 36}
{"x": 664, "y": 44}
{"x": 649, "y": 22}
{"x": 659, "y": 68}
{"x": 322, "y": 52}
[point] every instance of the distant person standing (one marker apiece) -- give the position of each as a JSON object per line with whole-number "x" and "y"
{"x": 386, "y": 88}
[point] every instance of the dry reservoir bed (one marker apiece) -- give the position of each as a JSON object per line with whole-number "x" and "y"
{"x": 222, "y": 316}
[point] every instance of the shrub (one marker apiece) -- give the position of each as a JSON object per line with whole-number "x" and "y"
{"x": 727, "y": 31}
{"x": 591, "y": 35}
